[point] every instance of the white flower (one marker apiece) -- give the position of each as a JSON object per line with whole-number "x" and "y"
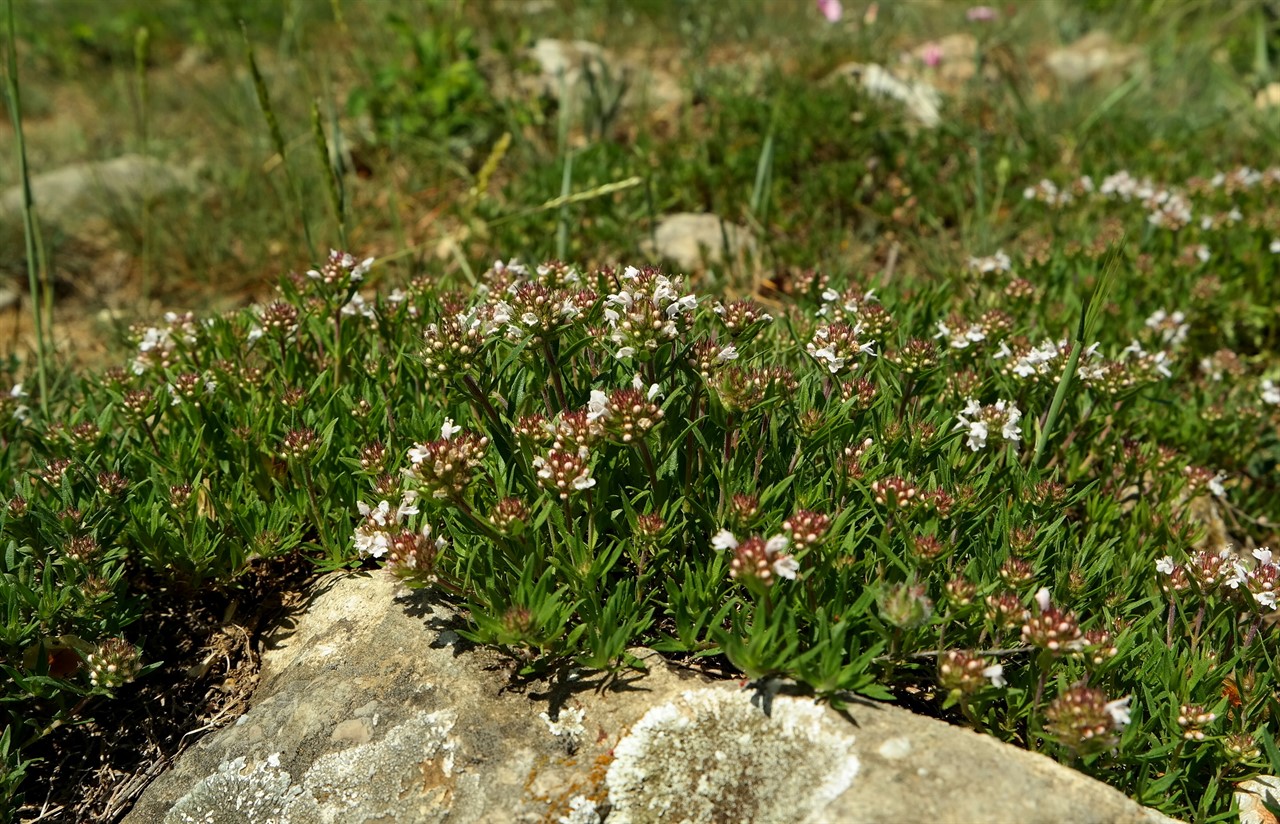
{"x": 584, "y": 481}
{"x": 1266, "y": 598}
{"x": 724, "y": 539}
{"x": 1263, "y": 554}
{"x": 358, "y": 306}
{"x": 1216, "y": 487}
{"x": 828, "y": 354}
{"x": 448, "y": 429}
{"x": 1165, "y": 565}
{"x": 777, "y": 544}
{"x": 786, "y": 567}
{"x": 1042, "y": 598}
{"x": 598, "y": 406}
{"x": 977, "y": 434}
{"x": 654, "y": 391}
{"x": 1275, "y": 246}
{"x": 1011, "y": 430}
{"x": 1270, "y": 393}
{"x": 995, "y": 674}
{"x": 626, "y": 352}
{"x": 1119, "y": 710}
{"x": 728, "y": 353}
{"x": 373, "y": 543}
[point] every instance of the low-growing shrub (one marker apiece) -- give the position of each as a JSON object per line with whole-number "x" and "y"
{"x": 958, "y": 495}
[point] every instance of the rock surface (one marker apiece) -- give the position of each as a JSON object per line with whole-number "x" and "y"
{"x": 73, "y": 194}
{"x": 692, "y": 239}
{"x": 1093, "y": 56}
{"x": 577, "y": 70}
{"x": 371, "y": 708}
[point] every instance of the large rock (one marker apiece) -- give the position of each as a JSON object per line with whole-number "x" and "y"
{"x": 370, "y": 709}
{"x": 692, "y": 239}
{"x": 73, "y": 194}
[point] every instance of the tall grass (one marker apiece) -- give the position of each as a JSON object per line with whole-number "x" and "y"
{"x": 37, "y": 269}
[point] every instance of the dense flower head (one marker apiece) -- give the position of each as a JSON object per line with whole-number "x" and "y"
{"x": 742, "y": 316}
{"x": 1082, "y": 719}
{"x": 906, "y": 605}
{"x": 963, "y": 672}
{"x": 744, "y": 508}
{"x": 894, "y": 492}
{"x": 806, "y": 527}
{"x": 509, "y": 514}
{"x": 413, "y": 556}
{"x": 381, "y": 522}
{"x": 1052, "y": 629}
{"x": 452, "y": 344}
{"x": 916, "y": 355}
{"x": 565, "y": 473}
{"x": 757, "y": 562}
{"x": 443, "y": 468}
{"x": 646, "y": 311}
{"x": 631, "y": 413}
{"x": 113, "y": 664}
{"x": 837, "y": 346}
{"x": 341, "y": 269}
{"x": 1261, "y": 579}
{"x": 1193, "y": 719}
{"x": 299, "y": 444}
{"x": 980, "y": 420}
{"x": 1005, "y": 610}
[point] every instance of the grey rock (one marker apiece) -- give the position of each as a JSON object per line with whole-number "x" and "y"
{"x": 581, "y": 75}
{"x": 370, "y": 708}
{"x": 692, "y": 239}
{"x": 74, "y": 194}
{"x": 1093, "y": 56}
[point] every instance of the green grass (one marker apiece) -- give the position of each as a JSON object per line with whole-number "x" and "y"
{"x": 219, "y": 452}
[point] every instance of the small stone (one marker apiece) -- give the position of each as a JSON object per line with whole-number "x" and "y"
{"x": 691, "y": 238}
{"x": 1091, "y": 57}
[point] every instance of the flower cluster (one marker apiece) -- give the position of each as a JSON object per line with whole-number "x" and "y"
{"x": 978, "y": 421}
{"x": 838, "y": 345}
{"x": 445, "y": 467}
{"x": 646, "y": 311}
{"x": 757, "y": 562}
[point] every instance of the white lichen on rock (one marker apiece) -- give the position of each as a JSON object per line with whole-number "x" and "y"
{"x": 395, "y": 778}
{"x": 385, "y": 778}
{"x": 237, "y": 792}
{"x": 567, "y": 723}
{"x": 582, "y": 810}
{"x": 713, "y": 755}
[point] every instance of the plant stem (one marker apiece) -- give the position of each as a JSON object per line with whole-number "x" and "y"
{"x": 37, "y": 274}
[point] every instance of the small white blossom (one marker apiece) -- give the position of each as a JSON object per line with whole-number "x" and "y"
{"x": 1165, "y": 565}
{"x": 724, "y": 539}
{"x": 598, "y": 406}
{"x": 448, "y": 429}
{"x": 1119, "y": 710}
{"x": 995, "y": 674}
{"x": 1270, "y": 393}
